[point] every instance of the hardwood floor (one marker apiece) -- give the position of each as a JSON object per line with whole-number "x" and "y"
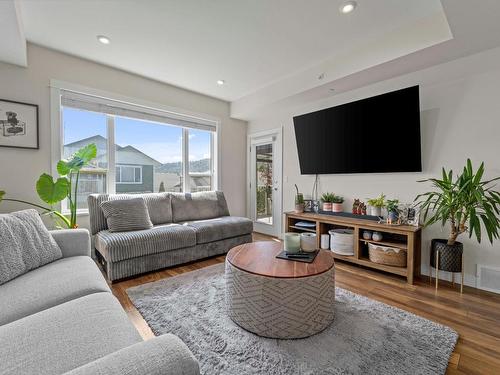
{"x": 475, "y": 315}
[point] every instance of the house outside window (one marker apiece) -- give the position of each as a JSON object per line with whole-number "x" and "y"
{"x": 136, "y": 154}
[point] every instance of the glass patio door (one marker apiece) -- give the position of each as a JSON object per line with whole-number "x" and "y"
{"x": 265, "y": 184}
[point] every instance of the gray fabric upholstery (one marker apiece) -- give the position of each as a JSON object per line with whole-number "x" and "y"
{"x": 159, "y": 208}
{"x": 126, "y": 215}
{"x": 136, "y": 266}
{"x": 66, "y": 336}
{"x": 131, "y": 253}
{"x": 162, "y": 355}
{"x": 25, "y": 244}
{"x": 220, "y": 228}
{"x": 124, "y": 245}
{"x": 198, "y": 206}
{"x": 48, "y": 286}
{"x": 72, "y": 242}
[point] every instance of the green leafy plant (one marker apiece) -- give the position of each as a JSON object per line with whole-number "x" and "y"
{"x": 65, "y": 187}
{"x": 377, "y": 202}
{"x": 299, "y": 197}
{"x": 392, "y": 205}
{"x": 328, "y": 197}
{"x": 337, "y": 199}
{"x": 464, "y": 201}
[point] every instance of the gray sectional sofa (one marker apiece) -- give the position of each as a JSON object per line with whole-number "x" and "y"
{"x": 62, "y": 318}
{"x": 186, "y": 227}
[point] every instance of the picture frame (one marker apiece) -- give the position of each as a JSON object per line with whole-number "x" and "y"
{"x": 19, "y": 125}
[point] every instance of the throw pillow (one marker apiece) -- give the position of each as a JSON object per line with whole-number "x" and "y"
{"x": 25, "y": 244}
{"x": 126, "y": 215}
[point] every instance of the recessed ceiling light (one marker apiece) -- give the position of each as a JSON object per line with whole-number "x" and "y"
{"x": 348, "y": 7}
{"x": 220, "y": 82}
{"x": 103, "y": 39}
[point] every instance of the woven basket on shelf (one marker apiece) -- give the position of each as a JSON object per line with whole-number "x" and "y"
{"x": 387, "y": 255}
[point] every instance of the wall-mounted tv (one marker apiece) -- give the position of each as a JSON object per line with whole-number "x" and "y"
{"x": 374, "y": 135}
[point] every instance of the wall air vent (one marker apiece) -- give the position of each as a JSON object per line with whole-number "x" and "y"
{"x": 488, "y": 278}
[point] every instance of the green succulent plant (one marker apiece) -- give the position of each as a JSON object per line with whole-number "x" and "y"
{"x": 337, "y": 199}
{"x": 65, "y": 187}
{"x": 328, "y": 197}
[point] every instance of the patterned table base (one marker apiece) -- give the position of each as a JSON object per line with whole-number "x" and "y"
{"x": 283, "y": 308}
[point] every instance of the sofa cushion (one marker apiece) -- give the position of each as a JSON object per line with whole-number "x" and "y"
{"x": 198, "y": 206}
{"x": 66, "y": 336}
{"x": 220, "y": 228}
{"x": 159, "y": 208}
{"x": 25, "y": 244}
{"x": 126, "y": 215}
{"x": 125, "y": 245}
{"x": 55, "y": 283}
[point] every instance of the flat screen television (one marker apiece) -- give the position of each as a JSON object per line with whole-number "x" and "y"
{"x": 374, "y": 135}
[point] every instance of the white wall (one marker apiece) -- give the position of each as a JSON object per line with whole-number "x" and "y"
{"x": 460, "y": 118}
{"x": 19, "y": 169}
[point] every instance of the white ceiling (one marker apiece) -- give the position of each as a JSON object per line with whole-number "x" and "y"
{"x": 267, "y": 51}
{"x": 193, "y": 43}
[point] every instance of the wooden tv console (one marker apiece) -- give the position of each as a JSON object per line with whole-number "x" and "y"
{"x": 405, "y": 237}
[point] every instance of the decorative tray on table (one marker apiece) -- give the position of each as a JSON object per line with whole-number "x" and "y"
{"x": 298, "y": 257}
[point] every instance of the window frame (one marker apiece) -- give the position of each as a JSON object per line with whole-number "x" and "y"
{"x": 120, "y": 166}
{"x": 58, "y": 87}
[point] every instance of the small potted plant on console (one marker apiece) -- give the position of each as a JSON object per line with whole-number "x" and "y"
{"x": 299, "y": 201}
{"x": 392, "y": 210}
{"x": 337, "y": 201}
{"x": 376, "y": 205}
{"x": 468, "y": 203}
{"x": 327, "y": 199}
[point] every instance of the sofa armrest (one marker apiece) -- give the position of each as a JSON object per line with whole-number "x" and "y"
{"x": 162, "y": 355}
{"x": 73, "y": 242}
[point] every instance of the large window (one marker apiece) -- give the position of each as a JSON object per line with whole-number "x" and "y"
{"x": 137, "y": 152}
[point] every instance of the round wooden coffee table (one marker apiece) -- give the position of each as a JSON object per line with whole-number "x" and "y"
{"x": 279, "y": 298}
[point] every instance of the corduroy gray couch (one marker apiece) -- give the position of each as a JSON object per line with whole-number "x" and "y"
{"x": 62, "y": 318}
{"x": 187, "y": 227}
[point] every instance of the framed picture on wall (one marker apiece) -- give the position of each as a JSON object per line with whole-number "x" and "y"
{"x": 18, "y": 124}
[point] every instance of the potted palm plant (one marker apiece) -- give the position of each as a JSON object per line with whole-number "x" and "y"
{"x": 337, "y": 203}
{"x": 468, "y": 203}
{"x": 376, "y": 205}
{"x": 327, "y": 199}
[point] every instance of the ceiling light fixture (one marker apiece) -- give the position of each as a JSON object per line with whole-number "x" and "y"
{"x": 220, "y": 82}
{"x": 348, "y": 7}
{"x": 103, "y": 39}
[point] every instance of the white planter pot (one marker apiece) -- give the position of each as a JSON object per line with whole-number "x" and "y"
{"x": 375, "y": 211}
{"x": 327, "y": 206}
{"x": 337, "y": 207}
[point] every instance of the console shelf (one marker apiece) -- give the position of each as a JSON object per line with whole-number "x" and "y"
{"x": 404, "y": 237}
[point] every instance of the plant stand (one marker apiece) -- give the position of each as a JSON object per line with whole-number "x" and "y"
{"x": 436, "y": 262}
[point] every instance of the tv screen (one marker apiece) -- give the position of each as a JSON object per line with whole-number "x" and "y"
{"x": 375, "y": 135}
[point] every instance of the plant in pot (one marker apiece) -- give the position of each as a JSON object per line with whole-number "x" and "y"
{"x": 392, "y": 210}
{"x": 376, "y": 205}
{"x": 65, "y": 187}
{"x": 337, "y": 203}
{"x": 299, "y": 201}
{"x": 327, "y": 199}
{"x": 468, "y": 203}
